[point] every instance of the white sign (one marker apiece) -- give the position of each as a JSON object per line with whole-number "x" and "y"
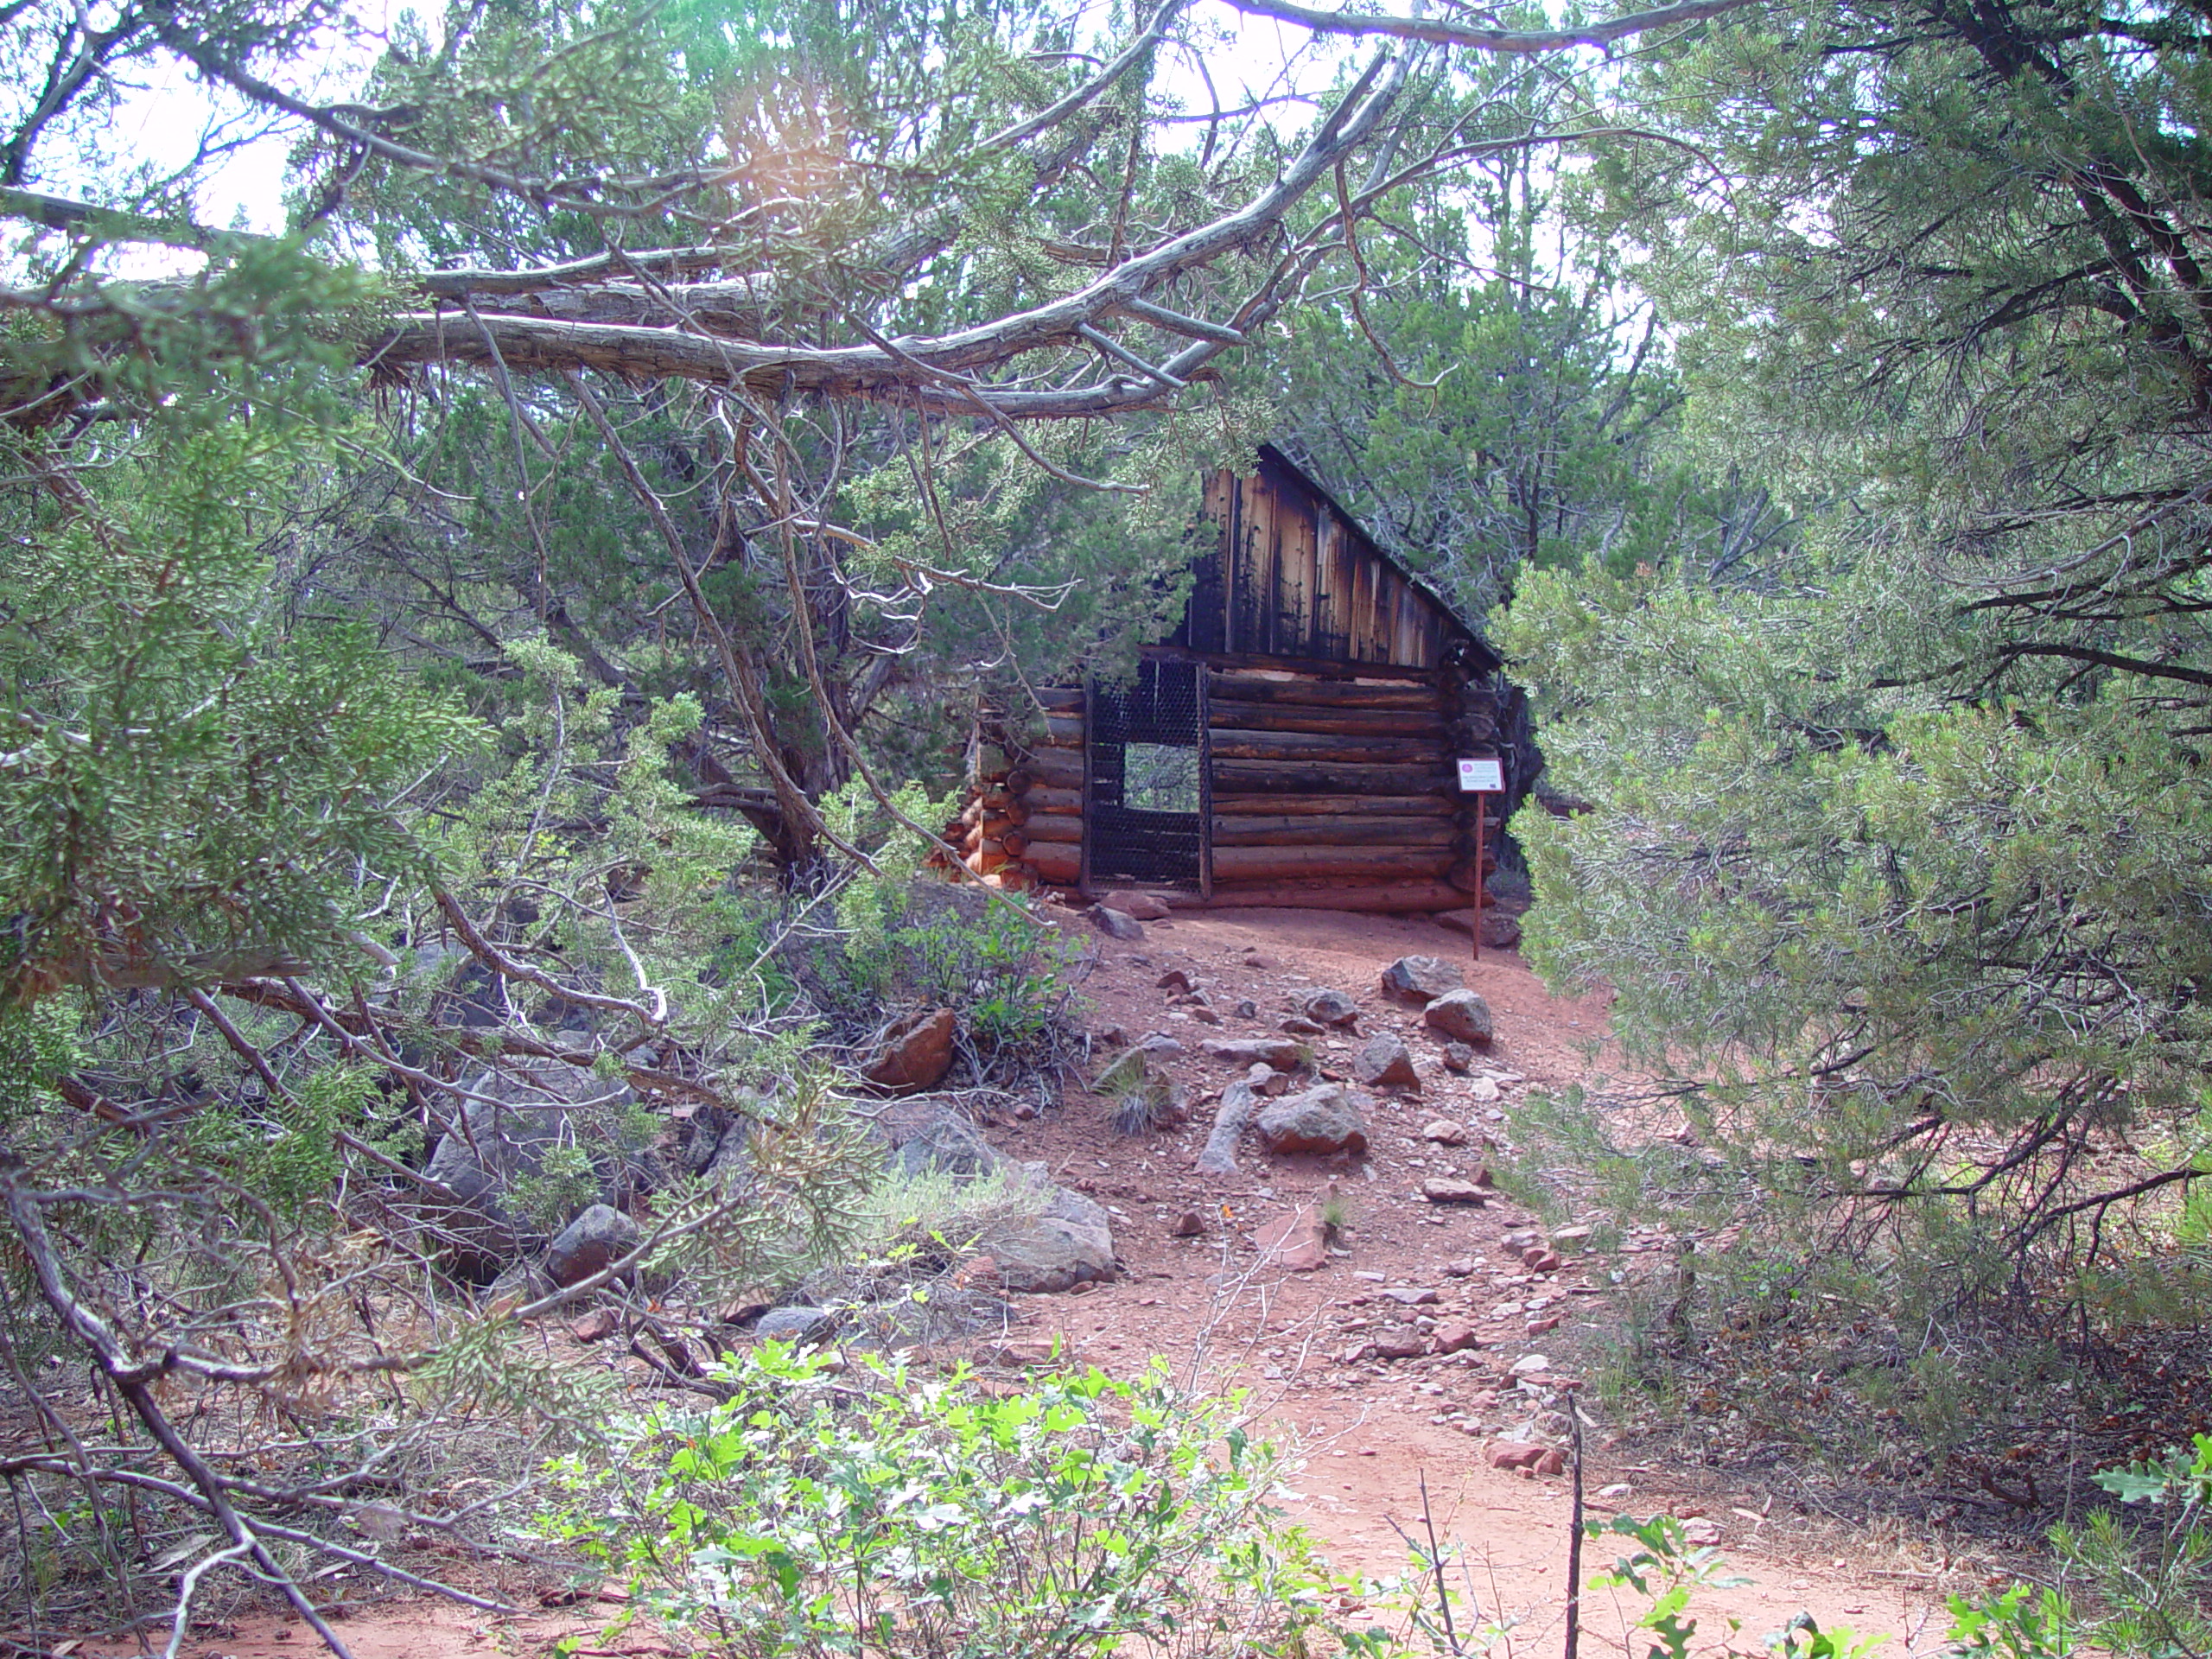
{"x": 1481, "y": 775}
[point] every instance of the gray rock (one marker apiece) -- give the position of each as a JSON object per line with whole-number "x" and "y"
{"x": 1070, "y": 1244}
{"x": 793, "y": 1324}
{"x": 1329, "y": 1007}
{"x": 1459, "y": 1058}
{"x": 1462, "y": 1016}
{"x": 514, "y": 1117}
{"x": 1279, "y": 1052}
{"x": 520, "y": 1282}
{"x": 599, "y": 1236}
{"x": 1299, "y": 1025}
{"x": 1420, "y": 979}
{"x": 1219, "y": 1157}
{"x": 1116, "y": 926}
{"x": 1326, "y": 1119}
{"x": 945, "y": 1142}
{"x": 1385, "y": 1062}
{"x": 1247, "y": 1010}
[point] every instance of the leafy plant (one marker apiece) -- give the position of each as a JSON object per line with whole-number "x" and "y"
{"x": 817, "y": 1512}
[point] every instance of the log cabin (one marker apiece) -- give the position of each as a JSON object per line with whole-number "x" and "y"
{"x": 1293, "y": 743}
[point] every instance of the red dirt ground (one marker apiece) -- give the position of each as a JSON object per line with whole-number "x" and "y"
{"x": 1369, "y": 1431}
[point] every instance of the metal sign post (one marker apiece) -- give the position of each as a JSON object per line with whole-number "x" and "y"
{"x": 1481, "y": 776}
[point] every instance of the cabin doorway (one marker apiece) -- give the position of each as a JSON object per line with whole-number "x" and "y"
{"x": 1145, "y": 780}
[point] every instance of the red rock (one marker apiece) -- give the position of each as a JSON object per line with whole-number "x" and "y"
{"x": 1401, "y": 1342}
{"x": 1540, "y": 1260}
{"x": 1552, "y": 1463}
{"x": 1173, "y": 980}
{"x": 917, "y": 1053}
{"x": 1539, "y": 1327}
{"x": 1296, "y": 1243}
{"x": 1445, "y": 1189}
{"x": 1456, "y": 1338}
{"x": 1508, "y": 1454}
{"x": 1189, "y": 1224}
{"x": 595, "y": 1326}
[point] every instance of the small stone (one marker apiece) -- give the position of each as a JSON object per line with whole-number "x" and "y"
{"x": 595, "y": 1326}
{"x": 1265, "y": 964}
{"x": 1529, "y": 1365}
{"x": 1248, "y": 1009}
{"x": 1510, "y": 1454}
{"x": 1139, "y": 906}
{"x": 1464, "y": 1267}
{"x": 1189, "y": 1224}
{"x": 599, "y": 1237}
{"x": 1420, "y": 979}
{"x": 1329, "y": 1008}
{"x": 1457, "y": 1059}
{"x": 1543, "y": 1327}
{"x": 1264, "y": 1079}
{"x": 1401, "y": 1342}
{"x": 1456, "y": 1337}
{"x": 1571, "y": 1235}
{"x": 1299, "y": 1025}
{"x": 917, "y": 1052}
{"x": 1462, "y": 1016}
{"x": 1541, "y": 1261}
{"x": 1205, "y": 1015}
{"x": 1484, "y": 1089}
{"x": 793, "y": 1325}
{"x": 1409, "y": 1296}
{"x": 1173, "y": 980}
{"x": 1554, "y": 1462}
{"x": 1278, "y": 1051}
{"x": 1700, "y": 1532}
{"x": 1025, "y": 1110}
{"x": 1114, "y": 924}
{"x": 1444, "y": 1132}
{"x": 1386, "y": 1062}
{"x": 1450, "y": 1189}
{"x": 1019, "y": 1353}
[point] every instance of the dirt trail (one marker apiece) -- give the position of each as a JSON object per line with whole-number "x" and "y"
{"x": 1372, "y": 1430}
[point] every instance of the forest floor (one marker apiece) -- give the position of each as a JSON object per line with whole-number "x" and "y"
{"x": 1368, "y": 1432}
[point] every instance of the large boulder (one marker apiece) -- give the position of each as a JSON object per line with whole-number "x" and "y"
{"x": 1069, "y": 1243}
{"x": 1385, "y": 1062}
{"x": 916, "y": 1053}
{"x": 510, "y": 1121}
{"x": 1324, "y": 1120}
{"x": 598, "y": 1238}
{"x": 1462, "y": 1017}
{"x": 1420, "y": 979}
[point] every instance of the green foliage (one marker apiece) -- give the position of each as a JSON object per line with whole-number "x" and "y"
{"x": 813, "y": 1513}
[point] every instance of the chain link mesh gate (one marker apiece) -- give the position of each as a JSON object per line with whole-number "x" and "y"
{"x": 1145, "y": 783}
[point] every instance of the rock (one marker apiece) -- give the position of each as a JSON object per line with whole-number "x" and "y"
{"x": 1299, "y": 1025}
{"x": 1385, "y": 1062}
{"x": 1408, "y": 1296}
{"x": 595, "y": 1326}
{"x": 1205, "y": 1015}
{"x": 1513, "y": 1454}
{"x": 941, "y": 1141}
{"x": 1189, "y": 1224}
{"x": 1554, "y": 1462}
{"x": 1247, "y": 1010}
{"x": 1484, "y": 1089}
{"x": 1444, "y": 1132}
{"x": 1114, "y": 924}
{"x": 1455, "y": 1339}
{"x": 1219, "y": 1156}
{"x": 1543, "y": 1327}
{"x": 1529, "y": 1365}
{"x": 1462, "y": 1016}
{"x": 1324, "y": 1119}
{"x": 1265, "y": 1080}
{"x": 1401, "y": 1342}
{"x": 1071, "y": 1243}
{"x": 1130, "y": 1069}
{"x": 1542, "y": 1262}
{"x": 1459, "y": 1058}
{"x": 1420, "y": 979}
{"x": 1450, "y": 1189}
{"x": 1329, "y": 1008}
{"x": 1277, "y": 1052}
{"x": 1020, "y": 1353}
{"x": 1700, "y": 1532}
{"x": 1173, "y": 980}
{"x": 1464, "y": 1267}
{"x": 513, "y": 1117}
{"x": 1577, "y": 1234}
{"x": 1500, "y": 931}
{"x": 1139, "y": 906}
{"x": 1296, "y": 1243}
{"x": 600, "y": 1235}
{"x": 917, "y": 1052}
{"x": 793, "y": 1324}
{"x": 1263, "y": 963}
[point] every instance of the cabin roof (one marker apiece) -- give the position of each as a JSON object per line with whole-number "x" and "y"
{"x": 1318, "y": 590}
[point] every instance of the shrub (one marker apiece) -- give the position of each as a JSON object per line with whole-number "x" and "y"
{"x": 817, "y": 1512}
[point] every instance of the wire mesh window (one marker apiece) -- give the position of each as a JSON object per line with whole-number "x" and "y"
{"x": 1147, "y": 756}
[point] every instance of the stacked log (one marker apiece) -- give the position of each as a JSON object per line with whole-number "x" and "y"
{"x": 1024, "y": 822}
{"x": 1337, "y": 793}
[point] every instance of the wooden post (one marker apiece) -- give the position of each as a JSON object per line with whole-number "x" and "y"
{"x": 1475, "y": 932}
